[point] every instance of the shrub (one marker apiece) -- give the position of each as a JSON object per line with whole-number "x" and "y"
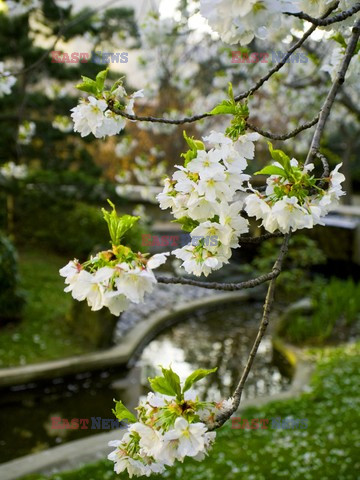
{"x": 71, "y": 228}
{"x": 336, "y": 312}
{"x": 295, "y": 280}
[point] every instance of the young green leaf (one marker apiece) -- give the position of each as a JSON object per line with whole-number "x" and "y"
{"x": 224, "y": 108}
{"x": 100, "y": 79}
{"x": 230, "y": 92}
{"x": 281, "y": 157}
{"x": 187, "y": 223}
{"x": 87, "y": 87}
{"x": 172, "y": 380}
{"x": 122, "y": 413}
{"x": 194, "y": 145}
{"x": 196, "y": 376}
{"x": 161, "y": 385}
{"x": 118, "y": 226}
{"x": 271, "y": 170}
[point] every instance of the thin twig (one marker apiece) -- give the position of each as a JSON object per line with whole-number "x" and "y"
{"x": 259, "y": 239}
{"x": 283, "y": 136}
{"x": 229, "y": 287}
{"x": 323, "y": 22}
{"x": 339, "y": 80}
{"x": 223, "y": 417}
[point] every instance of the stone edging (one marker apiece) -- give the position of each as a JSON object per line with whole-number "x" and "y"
{"x": 114, "y": 356}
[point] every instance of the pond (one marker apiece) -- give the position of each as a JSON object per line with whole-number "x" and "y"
{"x": 203, "y": 339}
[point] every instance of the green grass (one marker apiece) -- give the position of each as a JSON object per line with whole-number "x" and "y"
{"x": 45, "y": 331}
{"x": 327, "y": 449}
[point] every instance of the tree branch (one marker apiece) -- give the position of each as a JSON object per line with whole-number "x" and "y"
{"x": 278, "y": 66}
{"x": 241, "y": 96}
{"x": 340, "y": 78}
{"x": 259, "y": 239}
{"x": 230, "y": 287}
{"x": 283, "y": 136}
{"x": 223, "y": 417}
{"x": 323, "y": 22}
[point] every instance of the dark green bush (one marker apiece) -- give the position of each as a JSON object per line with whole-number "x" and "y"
{"x": 11, "y": 299}
{"x": 68, "y": 227}
{"x": 335, "y": 314}
{"x": 295, "y": 280}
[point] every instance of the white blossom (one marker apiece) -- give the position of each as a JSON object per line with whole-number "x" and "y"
{"x": 290, "y": 212}
{"x": 7, "y": 81}
{"x": 134, "y": 282}
{"x": 10, "y": 170}
{"x": 26, "y": 132}
{"x": 189, "y": 438}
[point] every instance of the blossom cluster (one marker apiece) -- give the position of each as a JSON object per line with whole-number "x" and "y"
{"x": 62, "y": 123}
{"x": 93, "y": 115}
{"x": 170, "y": 426}
{"x": 242, "y": 21}
{"x": 26, "y": 132}
{"x": 7, "y": 81}
{"x": 12, "y": 171}
{"x": 201, "y": 196}
{"x": 114, "y": 277}
{"x": 292, "y": 200}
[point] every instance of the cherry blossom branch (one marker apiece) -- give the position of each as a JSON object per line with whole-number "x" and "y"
{"x": 195, "y": 118}
{"x": 223, "y": 417}
{"x": 279, "y": 65}
{"x": 323, "y": 22}
{"x": 247, "y": 93}
{"x": 339, "y": 80}
{"x": 229, "y": 287}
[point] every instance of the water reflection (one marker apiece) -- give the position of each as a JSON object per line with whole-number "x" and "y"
{"x": 205, "y": 340}
{"x": 216, "y": 339}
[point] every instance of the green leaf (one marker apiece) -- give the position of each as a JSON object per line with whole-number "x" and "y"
{"x": 337, "y": 37}
{"x": 281, "y": 157}
{"x": 87, "y": 87}
{"x": 160, "y": 384}
{"x": 117, "y": 84}
{"x": 122, "y": 413}
{"x": 118, "y": 226}
{"x": 224, "y": 108}
{"x": 187, "y": 223}
{"x": 194, "y": 145}
{"x": 196, "y": 376}
{"x": 230, "y": 92}
{"x": 173, "y": 380}
{"x": 271, "y": 170}
{"x": 100, "y": 79}
{"x": 88, "y": 80}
